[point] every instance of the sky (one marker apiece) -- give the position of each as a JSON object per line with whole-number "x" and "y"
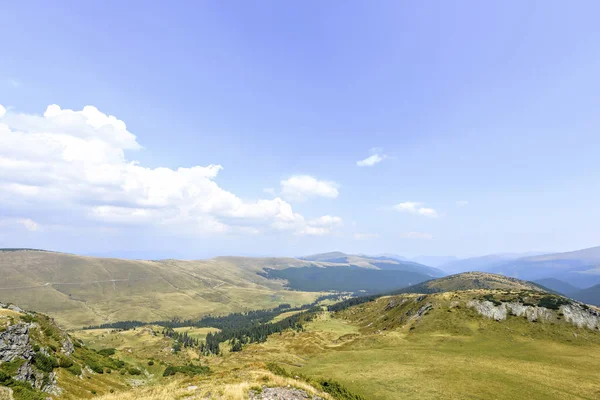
{"x": 195, "y": 129}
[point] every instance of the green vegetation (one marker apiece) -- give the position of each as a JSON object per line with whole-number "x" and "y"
{"x": 347, "y": 279}
{"x": 189, "y": 370}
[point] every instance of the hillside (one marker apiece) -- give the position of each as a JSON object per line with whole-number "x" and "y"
{"x": 80, "y": 291}
{"x": 38, "y": 359}
{"x": 470, "y": 281}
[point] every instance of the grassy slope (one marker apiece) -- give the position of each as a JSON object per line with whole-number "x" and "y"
{"x": 471, "y": 280}
{"x": 450, "y": 353}
{"x": 80, "y": 291}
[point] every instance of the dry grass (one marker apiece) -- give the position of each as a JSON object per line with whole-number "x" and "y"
{"x": 232, "y": 386}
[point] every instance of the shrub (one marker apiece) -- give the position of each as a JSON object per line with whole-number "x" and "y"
{"x": 45, "y": 363}
{"x": 277, "y": 370}
{"x": 107, "y": 352}
{"x": 94, "y": 366}
{"x": 75, "y": 369}
{"x": 27, "y": 318}
{"x": 338, "y": 391}
{"x": 151, "y": 363}
{"x": 134, "y": 371}
{"x": 189, "y": 370}
{"x": 64, "y": 361}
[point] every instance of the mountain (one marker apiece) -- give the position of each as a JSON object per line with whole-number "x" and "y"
{"x": 380, "y": 262}
{"x": 434, "y": 261}
{"x": 470, "y": 281}
{"x": 349, "y": 279}
{"x": 579, "y": 268}
{"x": 81, "y": 291}
{"x": 590, "y": 295}
{"x": 476, "y": 263}
{"x": 558, "y": 286}
{"x": 333, "y": 256}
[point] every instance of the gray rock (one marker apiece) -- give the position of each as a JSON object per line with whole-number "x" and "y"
{"x": 575, "y": 314}
{"x": 67, "y": 346}
{"x": 281, "y": 393}
{"x": 15, "y": 308}
{"x": 581, "y": 316}
{"x": 14, "y": 343}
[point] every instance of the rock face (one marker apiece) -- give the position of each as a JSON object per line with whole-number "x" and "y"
{"x": 575, "y": 314}
{"x": 581, "y": 317}
{"x": 14, "y": 343}
{"x": 67, "y": 346}
{"x": 281, "y": 393}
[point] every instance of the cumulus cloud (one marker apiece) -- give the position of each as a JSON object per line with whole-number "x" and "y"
{"x": 416, "y": 235}
{"x": 75, "y": 161}
{"x": 416, "y": 208}
{"x": 303, "y": 187}
{"x": 375, "y": 158}
{"x": 29, "y": 224}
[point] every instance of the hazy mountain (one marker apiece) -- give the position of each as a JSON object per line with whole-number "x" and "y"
{"x": 434, "y": 261}
{"x": 590, "y": 295}
{"x": 476, "y": 263}
{"x": 579, "y": 268}
{"x": 558, "y": 286}
{"x": 380, "y": 262}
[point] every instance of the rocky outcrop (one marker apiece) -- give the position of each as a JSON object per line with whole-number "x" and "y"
{"x": 67, "y": 345}
{"x": 581, "y": 316}
{"x": 14, "y": 343}
{"x": 488, "y": 309}
{"x": 576, "y": 314}
{"x": 279, "y": 393}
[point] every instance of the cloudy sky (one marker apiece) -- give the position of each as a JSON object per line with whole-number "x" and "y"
{"x": 279, "y": 128}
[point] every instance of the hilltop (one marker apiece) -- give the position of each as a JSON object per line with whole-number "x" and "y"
{"x": 470, "y": 281}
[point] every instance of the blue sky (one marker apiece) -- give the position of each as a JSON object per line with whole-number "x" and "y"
{"x": 485, "y": 118}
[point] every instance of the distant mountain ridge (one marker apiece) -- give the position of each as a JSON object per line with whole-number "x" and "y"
{"x": 381, "y": 262}
{"x": 578, "y": 268}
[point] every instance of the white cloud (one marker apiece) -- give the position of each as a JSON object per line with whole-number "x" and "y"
{"x": 74, "y": 162}
{"x": 29, "y": 224}
{"x": 416, "y": 235}
{"x": 365, "y": 236}
{"x": 375, "y": 158}
{"x": 303, "y": 187}
{"x": 462, "y": 203}
{"x": 416, "y": 208}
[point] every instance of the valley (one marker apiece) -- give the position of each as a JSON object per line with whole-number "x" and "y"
{"x": 488, "y": 335}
